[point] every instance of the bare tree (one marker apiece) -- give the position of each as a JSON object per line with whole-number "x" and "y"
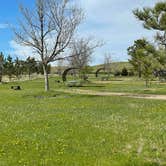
{"x": 48, "y": 29}
{"x": 107, "y": 63}
{"x": 81, "y": 52}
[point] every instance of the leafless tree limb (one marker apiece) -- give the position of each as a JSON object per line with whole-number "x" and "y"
{"x": 81, "y": 52}
{"x": 48, "y": 29}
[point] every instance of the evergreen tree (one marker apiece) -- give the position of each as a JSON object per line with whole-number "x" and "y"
{"x": 1, "y": 65}
{"x": 154, "y": 19}
{"x": 143, "y": 58}
{"x": 9, "y": 67}
{"x": 124, "y": 72}
{"x": 149, "y": 64}
{"x": 137, "y": 53}
{"x": 19, "y": 67}
{"x": 30, "y": 65}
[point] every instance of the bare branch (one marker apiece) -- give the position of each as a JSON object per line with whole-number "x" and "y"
{"x": 81, "y": 52}
{"x": 49, "y": 28}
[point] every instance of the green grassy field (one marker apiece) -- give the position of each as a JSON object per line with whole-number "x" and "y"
{"x": 128, "y": 85}
{"x": 58, "y": 129}
{"x": 123, "y": 84}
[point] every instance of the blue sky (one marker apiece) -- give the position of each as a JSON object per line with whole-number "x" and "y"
{"x": 9, "y": 14}
{"x": 110, "y": 21}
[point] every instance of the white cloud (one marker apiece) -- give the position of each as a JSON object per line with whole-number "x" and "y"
{"x": 113, "y": 22}
{"x": 3, "y": 26}
{"x": 22, "y": 51}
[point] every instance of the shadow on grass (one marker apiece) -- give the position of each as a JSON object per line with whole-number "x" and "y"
{"x": 95, "y": 86}
{"x": 87, "y": 86}
{"x": 47, "y": 95}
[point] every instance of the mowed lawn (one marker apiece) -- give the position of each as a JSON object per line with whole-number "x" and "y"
{"x": 58, "y": 129}
{"x": 127, "y": 85}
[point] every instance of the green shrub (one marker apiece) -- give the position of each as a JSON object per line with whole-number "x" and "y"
{"x": 124, "y": 72}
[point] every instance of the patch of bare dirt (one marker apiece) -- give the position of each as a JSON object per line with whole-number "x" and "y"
{"x": 131, "y": 95}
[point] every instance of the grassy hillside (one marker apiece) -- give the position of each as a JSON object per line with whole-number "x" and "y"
{"x": 116, "y": 66}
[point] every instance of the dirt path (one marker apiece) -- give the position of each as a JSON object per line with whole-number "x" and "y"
{"x": 131, "y": 95}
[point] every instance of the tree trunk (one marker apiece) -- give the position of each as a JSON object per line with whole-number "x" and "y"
{"x": 147, "y": 83}
{"x": 46, "y": 78}
{"x": 139, "y": 71}
{"x": 0, "y": 78}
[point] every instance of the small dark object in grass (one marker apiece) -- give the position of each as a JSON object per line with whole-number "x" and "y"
{"x": 54, "y": 95}
{"x": 16, "y": 87}
{"x": 44, "y": 97}
{"x": 57, "y": 81}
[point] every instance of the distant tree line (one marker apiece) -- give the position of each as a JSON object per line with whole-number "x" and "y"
{"x": 17, "y": 68}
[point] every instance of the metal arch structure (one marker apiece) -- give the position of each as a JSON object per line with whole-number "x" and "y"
{"x": 98, "y": 70}
{"x": 64, "y": 75}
